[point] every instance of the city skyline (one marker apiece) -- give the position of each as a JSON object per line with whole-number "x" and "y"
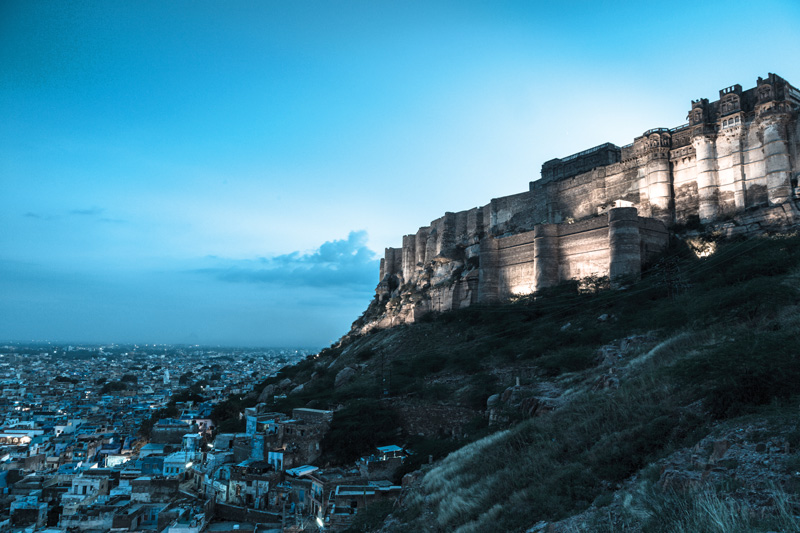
{"x": 185, "y": 173}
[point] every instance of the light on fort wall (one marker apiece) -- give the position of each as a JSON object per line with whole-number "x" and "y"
{"x": 701, "y": 248}
{"x": 521, "y": 290}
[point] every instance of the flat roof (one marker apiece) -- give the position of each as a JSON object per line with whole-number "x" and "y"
{"x": 302, "y": 470}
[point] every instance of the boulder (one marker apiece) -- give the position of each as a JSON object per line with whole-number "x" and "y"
{"x": 344, "y": 376}
{"x": 720, "y": 447}
{"x": 266, "y": 394}
{"x": 492, "y": 400}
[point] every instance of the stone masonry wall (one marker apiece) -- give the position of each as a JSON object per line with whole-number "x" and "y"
{"x": 604, "y": 211}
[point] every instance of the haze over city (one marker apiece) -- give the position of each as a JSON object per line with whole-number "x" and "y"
{"x": 193, "y": 172}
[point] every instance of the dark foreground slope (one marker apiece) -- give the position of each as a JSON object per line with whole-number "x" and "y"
{"x": 667, "y": 405}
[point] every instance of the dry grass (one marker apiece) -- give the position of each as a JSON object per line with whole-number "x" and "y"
{"x": 705, "y": 510}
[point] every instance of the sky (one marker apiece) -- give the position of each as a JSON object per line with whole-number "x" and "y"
{"x": 209, "y": 172}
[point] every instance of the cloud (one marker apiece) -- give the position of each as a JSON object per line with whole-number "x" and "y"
{"x": 92, "y": 211}
{"x": 38, "y": 216}
{"x": 340, "y": 264}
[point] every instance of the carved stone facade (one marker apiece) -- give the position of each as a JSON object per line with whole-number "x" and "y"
{"x": 602, "y": 211}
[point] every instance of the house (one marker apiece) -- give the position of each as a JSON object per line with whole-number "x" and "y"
{"x": 383, "y": 464}
{"x": 347, "y": 500}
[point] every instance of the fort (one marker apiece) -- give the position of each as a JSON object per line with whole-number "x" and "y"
{"x": 605, "y": 211}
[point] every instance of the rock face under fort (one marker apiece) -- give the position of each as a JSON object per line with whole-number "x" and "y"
{"x": 604, "y": 211}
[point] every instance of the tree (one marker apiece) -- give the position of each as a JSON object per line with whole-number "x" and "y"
{"x": 113, "y": 386}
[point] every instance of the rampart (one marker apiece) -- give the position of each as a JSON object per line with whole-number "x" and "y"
{"x": 604, "y": 211}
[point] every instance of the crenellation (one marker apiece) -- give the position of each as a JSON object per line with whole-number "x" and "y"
{"x": 605, "y": 211}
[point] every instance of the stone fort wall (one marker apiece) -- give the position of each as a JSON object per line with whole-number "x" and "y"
{"x": 615, "y": 244}
{"x": 602, "y": 211}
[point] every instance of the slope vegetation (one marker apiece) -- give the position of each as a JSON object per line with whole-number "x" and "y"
{"x": 667, "y": 404}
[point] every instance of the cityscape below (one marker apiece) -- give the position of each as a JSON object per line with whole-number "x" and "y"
{"x": 139, "y": 437}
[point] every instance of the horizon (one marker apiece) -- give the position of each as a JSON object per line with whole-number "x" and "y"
{"x": 84, "y": 345}
{"x": 191, "y": 174}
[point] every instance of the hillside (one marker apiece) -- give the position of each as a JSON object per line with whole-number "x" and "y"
{"x": 588, "y": 408}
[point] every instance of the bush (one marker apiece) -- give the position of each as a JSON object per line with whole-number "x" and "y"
{"x": 751, "y": 369}
{"x": 357, "y": 429}
{"x": 113, "y": 386}
{"x": 481, "y": 386}
{"x": 570, "y": 359}
{"x": 230, "y": 409}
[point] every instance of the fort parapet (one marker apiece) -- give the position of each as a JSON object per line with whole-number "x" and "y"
{"x": 604, "y": 211}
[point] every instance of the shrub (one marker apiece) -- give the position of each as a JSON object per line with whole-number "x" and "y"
{"x": 357, "y": 429}
{"x": 480, "y": 387}
{"x": 752, "y": 369}
{"x": 113, "y": 386}
{"x": 570, "y": 359}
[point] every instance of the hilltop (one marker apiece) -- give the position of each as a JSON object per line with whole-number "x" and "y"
{"x": 607, "y": 210}
{"x": 586, "y": 407}
{"x": 610, "y": 350}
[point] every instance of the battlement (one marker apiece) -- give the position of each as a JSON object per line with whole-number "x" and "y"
{"x": 735, "y": 89}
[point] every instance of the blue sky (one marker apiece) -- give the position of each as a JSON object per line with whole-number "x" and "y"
{"x": 230, "y": 172}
